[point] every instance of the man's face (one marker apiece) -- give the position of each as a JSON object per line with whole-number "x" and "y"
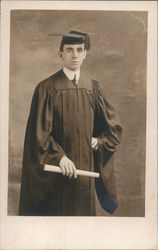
{"x": 73, "y": 56}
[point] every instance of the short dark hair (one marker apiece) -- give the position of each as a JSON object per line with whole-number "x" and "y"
{"x": 76, "y": 37}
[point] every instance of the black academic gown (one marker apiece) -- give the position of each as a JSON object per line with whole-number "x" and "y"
{"x": 62, "y": 121}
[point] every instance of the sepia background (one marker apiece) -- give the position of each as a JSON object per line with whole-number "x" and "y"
{"x": 117, "y": 59}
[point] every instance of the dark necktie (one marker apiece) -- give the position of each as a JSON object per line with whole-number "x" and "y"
{"x": 75, "y": 80}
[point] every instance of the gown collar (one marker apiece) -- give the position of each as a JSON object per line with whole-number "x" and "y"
{"x": 70, "y": 74}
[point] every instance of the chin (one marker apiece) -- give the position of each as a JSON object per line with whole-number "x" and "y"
{"x": 74, "y": 68}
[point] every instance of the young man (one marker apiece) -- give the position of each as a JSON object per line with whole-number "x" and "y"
{"x": 70, "y": 125}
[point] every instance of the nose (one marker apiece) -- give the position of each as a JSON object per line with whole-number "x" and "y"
{"x": 75, "y": 53}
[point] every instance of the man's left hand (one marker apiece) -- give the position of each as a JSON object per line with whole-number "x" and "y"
{"x": 94, "y": 143}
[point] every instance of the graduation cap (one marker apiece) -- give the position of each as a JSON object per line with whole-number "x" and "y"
{"x": 74, "y": 37}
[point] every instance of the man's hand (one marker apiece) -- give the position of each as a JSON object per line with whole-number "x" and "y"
{"x": 94, "y": 143}
{"x": 67, "y": 167}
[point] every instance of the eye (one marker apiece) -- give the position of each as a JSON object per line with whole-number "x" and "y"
{"x": 79, "y": 50}
{"x": 68, "y": 50}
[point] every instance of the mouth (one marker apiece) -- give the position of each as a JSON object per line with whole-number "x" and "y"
{"x": 75, "y": 61}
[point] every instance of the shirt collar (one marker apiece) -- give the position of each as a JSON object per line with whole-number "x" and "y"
{"x": 70, "y": 74}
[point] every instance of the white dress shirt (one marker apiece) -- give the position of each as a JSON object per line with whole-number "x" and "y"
{"x": 71, "y": 74}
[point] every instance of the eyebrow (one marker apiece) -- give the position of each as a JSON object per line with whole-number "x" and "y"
{"x": 69, "y": 48}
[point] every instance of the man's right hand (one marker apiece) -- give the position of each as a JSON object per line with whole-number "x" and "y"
{"x": 67, "y": 167}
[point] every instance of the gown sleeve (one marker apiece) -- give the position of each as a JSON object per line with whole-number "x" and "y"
{"x": 107, "y": 127}
{"x": 39, "y": 129}
{"x": 108, "y": 130}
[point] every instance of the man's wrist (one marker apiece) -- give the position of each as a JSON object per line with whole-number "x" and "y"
{"x": 62, "y": 159}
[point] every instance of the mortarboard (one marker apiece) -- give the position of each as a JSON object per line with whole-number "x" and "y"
{"x": 74, "y": 37}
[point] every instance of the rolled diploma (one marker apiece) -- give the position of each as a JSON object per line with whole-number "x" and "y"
{"x": 56, "y": 169}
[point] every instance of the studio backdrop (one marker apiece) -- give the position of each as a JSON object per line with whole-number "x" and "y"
{"x": 117, "y": 59}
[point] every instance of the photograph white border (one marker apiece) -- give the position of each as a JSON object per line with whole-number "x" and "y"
{"x": 81, "y": 232}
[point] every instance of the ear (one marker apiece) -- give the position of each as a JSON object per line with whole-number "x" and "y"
{"x": 85, "y": 53}
{"x": 60, "y": 53}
